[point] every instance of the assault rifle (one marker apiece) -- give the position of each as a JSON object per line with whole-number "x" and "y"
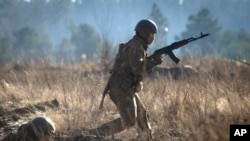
{"x": 168, "y": 50}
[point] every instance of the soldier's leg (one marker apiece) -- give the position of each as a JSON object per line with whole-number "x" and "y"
{"x": 125, "y": 103}
{"x": 144, "y": 128}
{"x": 109, "y": 128}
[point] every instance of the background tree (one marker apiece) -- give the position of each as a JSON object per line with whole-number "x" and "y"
{"x": 65, "y": 52}
{"x": 51, "y": 21}
{"x": 235, "y": 45}
{"x": 157, "y": 16}
{"x": 31, "y": 45}
{"x": 85, "y": 40}
{"x": 9, "y": 15}
{"x": 5, "y": 50}
{"x": 203, "y": 21}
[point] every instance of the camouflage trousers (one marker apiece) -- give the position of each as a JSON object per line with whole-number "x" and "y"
{"x": 132, "y": 112}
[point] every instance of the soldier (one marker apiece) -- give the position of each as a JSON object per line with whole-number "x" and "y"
{"x": 130, "y": 67}
{"x": 38, "y": 129}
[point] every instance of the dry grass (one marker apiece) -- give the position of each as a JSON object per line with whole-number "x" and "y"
{"x": 196, "y": 108}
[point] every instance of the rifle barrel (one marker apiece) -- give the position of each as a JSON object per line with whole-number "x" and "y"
{"x": 202, "y": 35}
{"x": 168, "y": 50}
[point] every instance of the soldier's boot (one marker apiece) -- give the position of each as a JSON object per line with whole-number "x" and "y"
{"x": 144, "y": 135}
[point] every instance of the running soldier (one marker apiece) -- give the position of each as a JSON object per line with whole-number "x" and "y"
{"x": 130, "y": 67}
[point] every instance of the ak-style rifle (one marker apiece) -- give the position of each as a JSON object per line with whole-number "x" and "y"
{"x": 168, "y": 50}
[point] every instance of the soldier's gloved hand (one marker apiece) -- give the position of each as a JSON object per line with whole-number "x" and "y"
{"x": 158, "y": 59}
{"x": 138, "y": 86}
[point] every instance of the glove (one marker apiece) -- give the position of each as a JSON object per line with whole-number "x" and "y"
{"x": 158, "y": 59}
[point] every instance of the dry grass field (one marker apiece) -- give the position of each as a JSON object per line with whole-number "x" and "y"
{"x": 194, "y": 107}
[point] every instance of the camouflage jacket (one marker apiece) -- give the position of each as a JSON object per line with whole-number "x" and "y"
{"x": 131, "y": 63}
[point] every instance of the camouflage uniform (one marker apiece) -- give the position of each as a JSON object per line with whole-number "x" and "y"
{"x": 39, "y": 129}
{"x": 131, "y": 66}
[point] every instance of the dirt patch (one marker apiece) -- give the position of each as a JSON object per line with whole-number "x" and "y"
{"x": 12, "y": 120}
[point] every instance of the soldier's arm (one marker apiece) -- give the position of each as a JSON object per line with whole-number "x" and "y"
{"x": 151, "y": 63}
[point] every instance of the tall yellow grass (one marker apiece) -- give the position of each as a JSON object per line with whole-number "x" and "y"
{"x": 195, "y": 108}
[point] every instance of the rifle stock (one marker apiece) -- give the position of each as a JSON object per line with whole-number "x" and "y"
{"x": 168, "y": 50}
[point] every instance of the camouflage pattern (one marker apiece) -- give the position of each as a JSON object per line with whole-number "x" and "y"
{"x": 39, "y": 129}
{"x": 130, "y": 67}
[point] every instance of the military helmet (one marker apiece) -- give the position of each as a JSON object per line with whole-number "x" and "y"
{"x": 145, "y": 27}
{"x": 44, "y": 124}
{"x": 38, "y": 129}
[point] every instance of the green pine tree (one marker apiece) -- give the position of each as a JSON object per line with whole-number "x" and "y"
{"x": 162, "y": 22}
{"x": 85, "y": 40}
{"x": 203, "y": 21}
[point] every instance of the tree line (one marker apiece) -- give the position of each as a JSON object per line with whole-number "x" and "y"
{"x": 25, "y": 32}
